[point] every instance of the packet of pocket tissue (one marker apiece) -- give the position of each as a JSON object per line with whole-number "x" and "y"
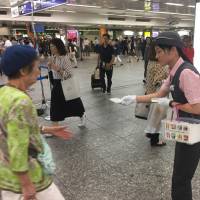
{"x": 116, "y": 100}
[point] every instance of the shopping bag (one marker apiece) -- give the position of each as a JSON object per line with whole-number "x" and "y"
{"x": 97, "y": 74}
{"x": 71, "y": 89}
{"x": 142, "y": 110}
{"x": 184, "y": 130}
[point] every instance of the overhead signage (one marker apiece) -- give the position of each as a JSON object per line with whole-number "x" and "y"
{"x": 147, "y": 5}
{"x": 28, "y": 7}
{"x": 39, "y": 28}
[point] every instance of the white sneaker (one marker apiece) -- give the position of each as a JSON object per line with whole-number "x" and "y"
{"x": 83, "y": 121}
{"x": 48, "y": 118}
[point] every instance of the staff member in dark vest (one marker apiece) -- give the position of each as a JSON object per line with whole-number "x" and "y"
{"x": 106, "y": 60}
{"x": 183, "y": 83}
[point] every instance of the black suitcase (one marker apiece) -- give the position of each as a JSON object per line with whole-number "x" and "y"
{"x": 95, "y": 83}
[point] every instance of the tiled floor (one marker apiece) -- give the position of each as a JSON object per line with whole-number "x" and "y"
{"x": 111, "y": 159}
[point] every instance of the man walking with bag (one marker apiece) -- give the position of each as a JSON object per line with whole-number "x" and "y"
{"x": 106, "y": 60}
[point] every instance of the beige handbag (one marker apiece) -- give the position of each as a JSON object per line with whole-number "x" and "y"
{"x": 142, "y": 110}
{"x": 71, "y": 89}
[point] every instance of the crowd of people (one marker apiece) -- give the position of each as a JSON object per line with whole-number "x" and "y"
{"x": 26, "y": 157}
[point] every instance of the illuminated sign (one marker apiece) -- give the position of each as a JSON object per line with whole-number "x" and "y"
{"x": 147, "y": 34}
{"x": 156, "y": 7}
{"x": 38, "y": 5}
{"x": 147, "y": 5}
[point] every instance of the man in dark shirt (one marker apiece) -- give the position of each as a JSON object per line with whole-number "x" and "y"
{"x": 106, "y": 59}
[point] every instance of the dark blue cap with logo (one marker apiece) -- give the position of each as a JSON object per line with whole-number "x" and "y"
{"x": 17, "y": 57}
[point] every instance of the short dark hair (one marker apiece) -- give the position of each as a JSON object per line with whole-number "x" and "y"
{"x": 152, "y": 51}
{"x": 179, "y": 50}
{"x": 58, "y": 43}
{"x": 5, "y": 36}
{"x": 106, "y": 35}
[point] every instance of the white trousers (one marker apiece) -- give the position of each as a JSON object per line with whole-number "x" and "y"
{"x": 117, "y": 58}
{"x": 51, "y": 193}
{"x": 73, "y": 58}
{"x": 156, "y": 114}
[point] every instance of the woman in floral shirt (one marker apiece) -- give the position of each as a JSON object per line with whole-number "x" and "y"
{"x": 22, "y": 176}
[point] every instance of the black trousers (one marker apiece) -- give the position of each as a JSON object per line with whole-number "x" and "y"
{"x": 185, "y": 164}
{"x": 145, "y": 68}
{"x": 109, "y": 74}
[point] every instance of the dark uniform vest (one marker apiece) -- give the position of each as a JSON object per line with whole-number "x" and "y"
{"x": 177, "y": 94}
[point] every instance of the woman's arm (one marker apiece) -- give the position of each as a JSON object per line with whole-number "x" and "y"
{"x": 28, "y": 188}
{"x": 18, "y": 141}
{"x": 189, "y": 108}
{"x": 66, "y": 69}
{"x": 147, "y": 98}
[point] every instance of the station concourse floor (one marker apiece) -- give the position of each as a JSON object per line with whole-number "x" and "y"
{"x": 111, "y": 159}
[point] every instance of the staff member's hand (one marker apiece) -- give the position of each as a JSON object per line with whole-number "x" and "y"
{"x": 127, "y": 100}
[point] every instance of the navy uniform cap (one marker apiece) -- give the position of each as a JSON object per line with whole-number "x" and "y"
{"x": 169, "y": 39}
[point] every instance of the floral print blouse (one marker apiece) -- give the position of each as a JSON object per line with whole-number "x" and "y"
{"x": 19, "y": 138}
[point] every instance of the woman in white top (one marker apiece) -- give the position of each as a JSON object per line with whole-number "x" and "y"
{"x": 62, "y": 69}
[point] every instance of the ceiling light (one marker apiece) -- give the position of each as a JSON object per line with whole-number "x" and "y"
{"x": 5, "y": 7}
{"x": 120, "y": 15}
{"x": 156, "y": 17}
{"x": 70, "y": 11}
{"x": 191, "y": 6}
{"x": 187, "y": 19}
{"x": 56, "y": 10}
{"x": 86, "y": 6}
{"x": 129, "y": 33}
{"x": 135, "y": 10}
{"x": 175, "y": 4}
{"x": 184, "y": 32}
{"x": 171, "y": 13}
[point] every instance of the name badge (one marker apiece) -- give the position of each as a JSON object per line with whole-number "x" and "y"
{"x": 171, "y": 88}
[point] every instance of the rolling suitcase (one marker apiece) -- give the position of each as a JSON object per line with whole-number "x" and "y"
{"x": 95, "y": 79}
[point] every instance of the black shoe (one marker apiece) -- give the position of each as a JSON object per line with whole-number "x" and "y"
{"x": 148, "y": 135}
{"x": 155, "y": 141}
{"x": 109, "y": 91}
{"x": 104, "y": 91}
